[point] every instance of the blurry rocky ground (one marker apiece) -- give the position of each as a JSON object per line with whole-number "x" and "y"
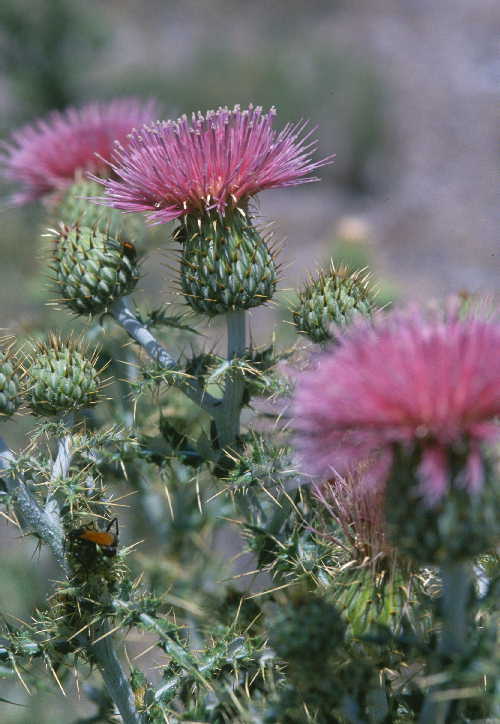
{"x": 403, "y": 91}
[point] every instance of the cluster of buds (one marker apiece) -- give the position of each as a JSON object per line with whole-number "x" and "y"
{"x": 55, "y": 377}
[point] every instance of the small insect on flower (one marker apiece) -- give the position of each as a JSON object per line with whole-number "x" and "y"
{"x": 88, "y": 537}
{"x": 129, "y": 250}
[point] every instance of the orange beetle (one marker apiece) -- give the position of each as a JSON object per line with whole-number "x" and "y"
{"x": 129, "y": 250}
{"x": 105, "y": 540}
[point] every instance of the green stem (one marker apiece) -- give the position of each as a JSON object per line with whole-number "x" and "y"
{"x": 229, "y": 420}
{"x": 456, "y": 585}
{"x": 123, "y": 315}
{"x": 115, "y": 679}
{"x": 456, "y": 578}
{"x": 46, "y": 523}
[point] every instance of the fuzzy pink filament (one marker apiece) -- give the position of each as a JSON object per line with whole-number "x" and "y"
{"x": 411, "y": 377}
{"x": 217, "y": 160}
{"x": 47, "y": 155}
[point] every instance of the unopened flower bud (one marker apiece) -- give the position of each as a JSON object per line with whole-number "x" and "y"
{"x": 333, "y": 298}
{"x": 9, "y": 383}
{"x": 61, "y": 376}
{"x": 77, "y": 207}
{"x": 91, "y": 270}
{"x": 226, "y": 265}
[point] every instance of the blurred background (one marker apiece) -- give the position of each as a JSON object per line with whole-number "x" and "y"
{"x": 405, "y": 92}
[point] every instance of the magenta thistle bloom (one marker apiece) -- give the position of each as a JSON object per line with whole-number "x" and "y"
{"x": 47, "y": 155}
{"x": 217, "y": 160}
{"x": 411, "y": 378}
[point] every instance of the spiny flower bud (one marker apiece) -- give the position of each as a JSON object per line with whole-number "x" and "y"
{"x": 92, "y": 270}
{"x": 9, "y": 382}
{"x": 331, "y": 299}
{"x": 60, "y": 376}
{"x": 226, "y": 265}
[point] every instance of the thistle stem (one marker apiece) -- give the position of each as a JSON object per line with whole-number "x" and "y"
{"x": 229, "y": 422}
{"x": 456, "y": 579}
{"x": 115, "y": 680}
{"x": 64, "y": 455}
{"x": 47, "y": 525}
{"x": 124, "y": 316}
{"x": 32, "y": 518}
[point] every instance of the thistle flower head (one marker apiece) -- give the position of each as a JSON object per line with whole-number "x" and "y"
{"x": 48, "y": 154}
{"x": 412, "y": 378}
{"x": 213, "y": 161}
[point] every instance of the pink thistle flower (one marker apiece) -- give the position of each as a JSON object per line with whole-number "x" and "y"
{"x": 217, "y": 160}
{"x": 410, "y": 378}
{"x": 47, "y": 155}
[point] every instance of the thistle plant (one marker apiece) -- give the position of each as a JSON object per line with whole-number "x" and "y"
{"x": 359, "y": 480}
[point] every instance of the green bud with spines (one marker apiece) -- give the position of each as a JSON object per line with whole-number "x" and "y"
{"x": 10, "y": 398}
{"x": 61, "y": 376}
{"x": 91, "y": 270}
{"x": 76, "y": 207}
{"x": 226, "y": 264}
{"x": 332, "y": 298}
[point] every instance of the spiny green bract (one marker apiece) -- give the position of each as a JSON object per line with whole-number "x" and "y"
{"x": 226, "y": 264}
{"x": 9, "y": 383}
{"x": 60, "y": 377}
{"x": 92, "y": 270}
{"x": 332, "y": 298}
{"x": 76, "y": 208}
